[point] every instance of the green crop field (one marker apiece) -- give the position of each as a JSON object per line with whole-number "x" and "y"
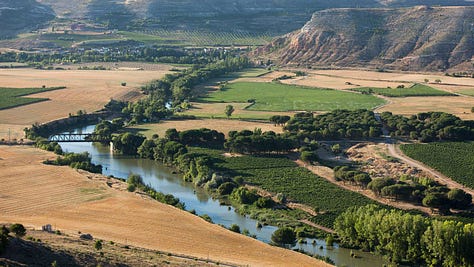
{"x": 454, "y": 159}
{"x": 415, "y": 90}
{"x": 13, "y": 97}
{"x": 197, "y": 38}
{"x": 282, "y": 97}
{"x": 247, "y": 73}
{"x": 281, "y": 175}
{"x": 469, "y": 92}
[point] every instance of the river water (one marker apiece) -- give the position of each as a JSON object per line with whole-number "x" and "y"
{"x": 162, "y": 179}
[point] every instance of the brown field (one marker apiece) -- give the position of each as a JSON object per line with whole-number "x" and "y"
{"x": 35, "y": 194}
{"x": 220, "y": 125}
{"x": 457, "y": 105}
{"x": 86, "y": 90}
{"x": 70, "y": 250}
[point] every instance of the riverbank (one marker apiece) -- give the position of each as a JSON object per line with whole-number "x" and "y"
{"x": 35, "y": 194}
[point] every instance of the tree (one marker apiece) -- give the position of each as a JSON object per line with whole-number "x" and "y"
{"x": 284, "y": 236}
{"x": 18, "y": 229}
{"x": 309, "y": 156}
{"x": 459, "y": 198}
{"x": 244, "y": 196}
{"x": 362, "y": 179}
{"x": 235, "y": 228}
{"x": 376, "y": 185}
{"x": 98, "y": 244}
{"x": 437, "y": 200}
{"x": 226, "y": 188}
{"x": 229, "y": 109}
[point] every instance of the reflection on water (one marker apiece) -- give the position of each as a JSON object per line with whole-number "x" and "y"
{"x": 162, "y": 179}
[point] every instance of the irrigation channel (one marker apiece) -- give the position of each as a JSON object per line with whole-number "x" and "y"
{"x": 163, "y": 179}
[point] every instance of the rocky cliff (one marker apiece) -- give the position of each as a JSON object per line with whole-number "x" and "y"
{"x": 419, "y": 38}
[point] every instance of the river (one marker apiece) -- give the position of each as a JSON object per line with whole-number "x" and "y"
{"x": 164, "y": 180}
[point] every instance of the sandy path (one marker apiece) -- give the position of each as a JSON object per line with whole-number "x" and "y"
{"x": 395, "y": 151}
{"x": 37, "y": 194}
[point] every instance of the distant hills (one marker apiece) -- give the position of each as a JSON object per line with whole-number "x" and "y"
{"x": 18, "y": 16}
{"x": 274, "y": 17}
{"x": 419, "y": 38}
{"x": 340, "y": 32}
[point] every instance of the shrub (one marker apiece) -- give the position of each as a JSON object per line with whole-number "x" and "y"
{"x": 264, "y": 202}
{"x": 131, "y": 188}
{"x": 235, "y": 228}
{"x": 244, "y": 196}
{"x": 18, "y": 229}
{"x": 283, "y": 236}
{"x": 98, "y": 244}
{"x": 226, "y": 188}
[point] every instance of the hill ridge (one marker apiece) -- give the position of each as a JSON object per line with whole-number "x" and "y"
{"x": 417, "y": 38}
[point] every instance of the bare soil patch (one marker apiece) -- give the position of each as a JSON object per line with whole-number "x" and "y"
{"x": 220, "y": 125}
{"x": 86, "y": 90}
{"x": 375, "y": 159}
{"x": 35, "y": 194}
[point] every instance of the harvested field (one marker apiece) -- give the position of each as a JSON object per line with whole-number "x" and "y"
{"x": 457, "y": 105}
{"x": 223, "y": 126}
{"x": 335, "y": 82}
{"x": 86, "y": 90}
{"x": 339, "y": 79}
{"x": 71, "y": 250}
{"x": 36, "y": 194}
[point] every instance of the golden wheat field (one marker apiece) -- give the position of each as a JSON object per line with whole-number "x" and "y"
{"x": 71, "y": 201}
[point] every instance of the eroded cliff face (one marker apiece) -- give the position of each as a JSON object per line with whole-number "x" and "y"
{"x": 22, "y": 15}
{"x": 419, "y": 38}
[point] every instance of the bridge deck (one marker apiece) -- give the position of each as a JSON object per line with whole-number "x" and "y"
{"x": 72, "y": 137}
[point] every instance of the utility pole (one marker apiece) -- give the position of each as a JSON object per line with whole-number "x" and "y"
{"x": 9, "y": 136}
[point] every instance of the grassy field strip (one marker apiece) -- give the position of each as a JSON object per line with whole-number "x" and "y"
{"x": 468, "y": 92}
{"x": 13, "y": 97}
{"x": 282, "y": 97}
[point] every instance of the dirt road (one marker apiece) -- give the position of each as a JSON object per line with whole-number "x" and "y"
{"x": 328, "y": 174}
{"x": 395, "y": 151}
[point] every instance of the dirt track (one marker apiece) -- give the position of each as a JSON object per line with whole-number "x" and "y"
{"x": 36, "y": 194}
{"x": 439, "y": 177}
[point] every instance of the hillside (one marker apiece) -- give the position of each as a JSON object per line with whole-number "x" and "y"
{"x": 22, "y": 15}
{"x": 263, "y": 16}
{"x": 419, "y": 38}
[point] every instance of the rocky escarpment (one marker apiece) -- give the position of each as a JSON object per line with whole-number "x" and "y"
{"x": 22, "y": 15}
{"x": 419, "y": 38}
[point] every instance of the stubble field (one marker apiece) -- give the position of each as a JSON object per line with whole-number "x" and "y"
{"x": 85, "y": 90}
{"x": 457, "y": 105}
{"x": 37, "y": 194}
